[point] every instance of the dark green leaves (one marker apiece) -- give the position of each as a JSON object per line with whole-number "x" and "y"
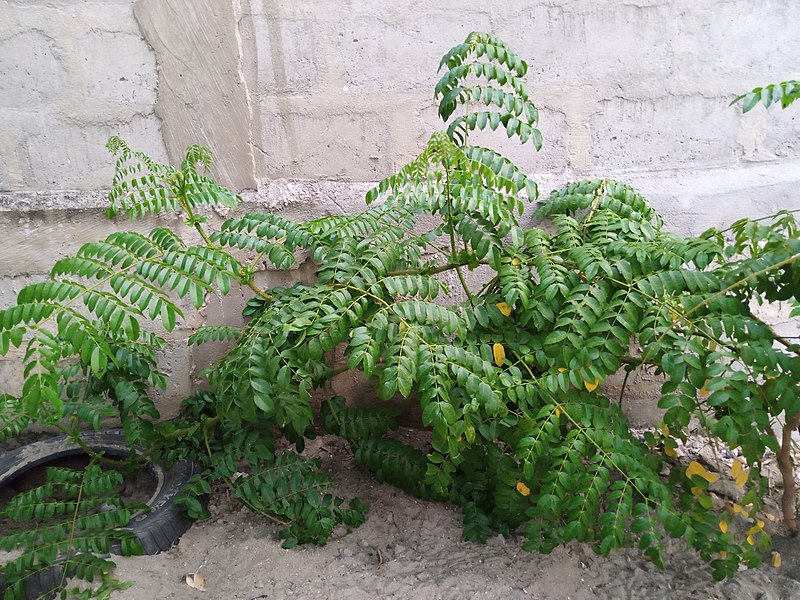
{"x": 269, "y": 235}
{"x": 359, "y": 423}
{"x": 488, "y": 45}
{"x": 785, "y": 93}
{"x": 397, "y": 463}
{"x": 143, "y": 186}
{"x": 506, "y": 91}
{"x": 73, "y": 517}
{"x": 427, "y": 313}
{"x": 509, "y": 376}
{"x": 216, "y": 333}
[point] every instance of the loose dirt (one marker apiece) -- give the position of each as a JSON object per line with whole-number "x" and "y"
{"x": 411, "y": 549}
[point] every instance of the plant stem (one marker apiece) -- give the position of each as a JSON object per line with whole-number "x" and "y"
{"x": 730, "y": 288}
{"x": 251, "y": 284}
{"x": 192, "y": 216}
{"x": 431, "y": 271}
{"x": 786, "y": 467}
{"x": 464, "y": 285}
{"x": 187, "y": 208}
{"x": 93, "y": 455}
{"x": 624, "y": 384}
{"x": 765, "y": 218}
{"x": 489, "y": 285}
{"x": 205, "y": 439}
{"x": 209, "y": 422}
{"x": 255, "y": 509}
{"x": 599, "y": 193}
{"x": 73, "y": 529}
{"x": 778, "y": 338}
{"x": 451, "y": 230}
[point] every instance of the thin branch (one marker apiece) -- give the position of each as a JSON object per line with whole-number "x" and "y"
{"x": 251, "y": 284}
{"x": 765, "y": 218}
{"x": 723, "y": 292}
{"x": 786, "y": 467}
{"x": 432, "y": 270}
{"x": 622, "y": 389}
{"x": 451, "y": 229}
{"x": 778, "y": 338}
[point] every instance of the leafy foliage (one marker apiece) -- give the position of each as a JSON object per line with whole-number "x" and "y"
{"x": 785, "y": 92}
{"x": 509, "y": 379}
{"x": 73, "y": 519}
{"x": 285, "y": 487}
{"x": 357, "y": 424}
{"x": 143, "y": 186}
{"x": 509, "y": 97}
{"x": 88, "y": 316}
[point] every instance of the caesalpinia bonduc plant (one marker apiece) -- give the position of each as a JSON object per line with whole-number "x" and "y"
{"x": 509, "y": 379}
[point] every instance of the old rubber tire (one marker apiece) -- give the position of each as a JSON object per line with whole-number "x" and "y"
{"x": 157, "y": 530}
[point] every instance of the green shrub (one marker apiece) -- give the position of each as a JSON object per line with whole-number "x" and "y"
{"x": 508, "y": 378}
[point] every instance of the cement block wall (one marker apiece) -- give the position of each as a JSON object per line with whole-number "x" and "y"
{"x": 306, "y": 103}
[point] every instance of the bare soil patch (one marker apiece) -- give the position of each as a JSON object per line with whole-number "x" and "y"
{"x": 412, "y": 549}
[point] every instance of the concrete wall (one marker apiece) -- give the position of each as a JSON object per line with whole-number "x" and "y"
{"x": 305, "y": 103}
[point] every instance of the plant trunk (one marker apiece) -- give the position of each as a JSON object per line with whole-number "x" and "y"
{"x": 786, "y": 466}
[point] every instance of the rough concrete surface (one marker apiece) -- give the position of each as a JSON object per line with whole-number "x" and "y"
{"x": 74, "y": 73}
{"x": 305, "y": 104}
{"x": 199, "y": 53}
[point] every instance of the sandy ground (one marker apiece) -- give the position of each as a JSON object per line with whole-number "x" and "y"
{"x": 412, "y": 549}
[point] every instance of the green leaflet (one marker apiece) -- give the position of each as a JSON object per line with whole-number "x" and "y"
{"x": 785, "y": 92}
{"x": 144, "y": 187}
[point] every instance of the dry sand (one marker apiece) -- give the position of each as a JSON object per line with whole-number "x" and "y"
{"x": 412, "y": 549}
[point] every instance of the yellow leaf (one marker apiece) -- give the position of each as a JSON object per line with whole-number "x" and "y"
{"x": 559, "y": 410}
{"x": 751, "y": 540}
{"x": 665, "y": 430}
{"x": 696, "y": 491}
{"x": 703, "y": 391}
{"x": 776, "y": 559}
{"x": 723, "y": 526}
{"x": 470, "y": 433}
{"x": 722, "y": 554}
{"x": 772, "y": 517}
{"x": 757, "y": 527}
{"x": 738, "y": 509}
{"x": 739, "y": 473}
{"x": 695, "y": 468}
{"x": 562, "y": 370}
{"x": 591, "y": 386}
{"x": 674, "y": 314}
{"x": 523, "y": 489}
{"x": 516, "y": 262}
{"x": 670, "y": 452}
{"x": 499, "y": 354}
{"x": 504, "y": 308}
